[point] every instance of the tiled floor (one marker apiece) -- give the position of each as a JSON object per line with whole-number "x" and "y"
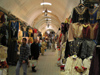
{"x": 46, "y": 65}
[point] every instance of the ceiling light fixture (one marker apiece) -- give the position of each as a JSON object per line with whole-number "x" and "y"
{"x": 48, "y": 11}
{"x": 45, "y": 3}
{"x": 47, "y": 19}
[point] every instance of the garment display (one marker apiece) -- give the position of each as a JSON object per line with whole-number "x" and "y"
{"x": 93, "y": 15}
{"x": 98, "y": 34}
{"x": 86, "y": 64}
{"x": 75, "y": 47}
{"x": 64, "y": 27}
{"x": 30, "y": 37}
{"x": 88, "y": 47}
{"x": 86, "y": 31}
{"x": 3, "y": 29}
{"x": 14, "y": 29}
{"x": 70, "y": 34}
{"x": 75, "y": 31}
{"x": 93, "y": 31}
{"x": 20, "y": 36}
{"x": 80, "y": 14}
{"x": 63, "y": 50}
{"x": 25, "y": 33}
{"x": 67, "y": 50}
{"x": 62, "y": 38}
{"x": 70, "y": 66}
{"x": 2, "y": 17}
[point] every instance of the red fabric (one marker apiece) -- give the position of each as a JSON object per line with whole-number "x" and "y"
{"x": 62, "y": 67}
{"x": 58, "y": 49}
{"x": 76, "y": 67}
{"x": 35, "y": 30}
{"x": 84, "y": 68}
{"x": 59, "y": 59}
{"x": 96, "y": 31}
{"x": 60, "y": 37}
{"x": 86, "y": 32}
{"x": 70, "y": 20}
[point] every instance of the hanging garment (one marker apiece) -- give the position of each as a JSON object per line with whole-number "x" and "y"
{"x": 88, "y": 47}
{"x": 35, "y": 30}
{"x": 75, "y": 47}
{"x": 67, "y": 50}
{"x": 66, "y": 36}
{"x": 98, "y": 34}
{"x": 12, "y": 52}
{"x": 3, "y": 29}
{"x": 86, "y": 31}
{"x": 95, "y": 64}
{"x": 93, "y": 31}
{"x": 14, "y": 29}
{"x": 62, "y": 38}
{"x": 98, "y": 13}
{"x": 63, "y": 50}
{"x": 25, "y": 33}
{"x": 64, "y": 27}
{"x": 9, "y": 33}
{"x": 86, "y": 64}
{"x": 80, "y": 15}
{"x": 75, "y": 31}
{"x": 20, "y": 36}
{"x": 2, "y": 17}
{"x": 70, "y": 66}
{"x": 70, "y": 34}
{"x": 93, "y": 15}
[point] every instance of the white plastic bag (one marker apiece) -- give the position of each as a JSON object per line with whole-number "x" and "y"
{"x": 32, "y": 63}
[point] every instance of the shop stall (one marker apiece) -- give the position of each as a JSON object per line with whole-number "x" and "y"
{"x": 79, "y": 40}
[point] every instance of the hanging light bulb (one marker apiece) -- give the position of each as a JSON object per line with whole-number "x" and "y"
{"x": 48, "y": 25}
{"x": 46, "y": 12}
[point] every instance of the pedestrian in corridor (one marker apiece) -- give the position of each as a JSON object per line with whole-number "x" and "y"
{"x": 23, "y": 59}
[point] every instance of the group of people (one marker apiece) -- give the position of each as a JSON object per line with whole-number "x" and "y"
{"x": 29, "y": 52}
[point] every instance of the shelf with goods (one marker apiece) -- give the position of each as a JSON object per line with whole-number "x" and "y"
{"x": 3, "y": 64}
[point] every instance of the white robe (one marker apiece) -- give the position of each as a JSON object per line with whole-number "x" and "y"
{"x": 86, "y": 64}
{"x": 70, "y": 66}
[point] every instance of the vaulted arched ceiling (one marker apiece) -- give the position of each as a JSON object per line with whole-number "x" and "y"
{"x": 30, "y": 11}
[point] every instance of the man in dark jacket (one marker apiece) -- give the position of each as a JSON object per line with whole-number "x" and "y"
{"x": 23, "y": 59}
{"x": 34, "y": 52}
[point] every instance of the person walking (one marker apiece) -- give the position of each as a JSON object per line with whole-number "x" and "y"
{"x": 23, "y": 59}
{"x": 34, "y": 53}
{"x": 43, "y": 46}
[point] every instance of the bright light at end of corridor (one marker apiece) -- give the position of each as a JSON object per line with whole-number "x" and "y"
{"x": 48, "y": 27}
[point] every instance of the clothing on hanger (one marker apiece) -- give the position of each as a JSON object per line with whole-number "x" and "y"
{"x": 70, "y": 66}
